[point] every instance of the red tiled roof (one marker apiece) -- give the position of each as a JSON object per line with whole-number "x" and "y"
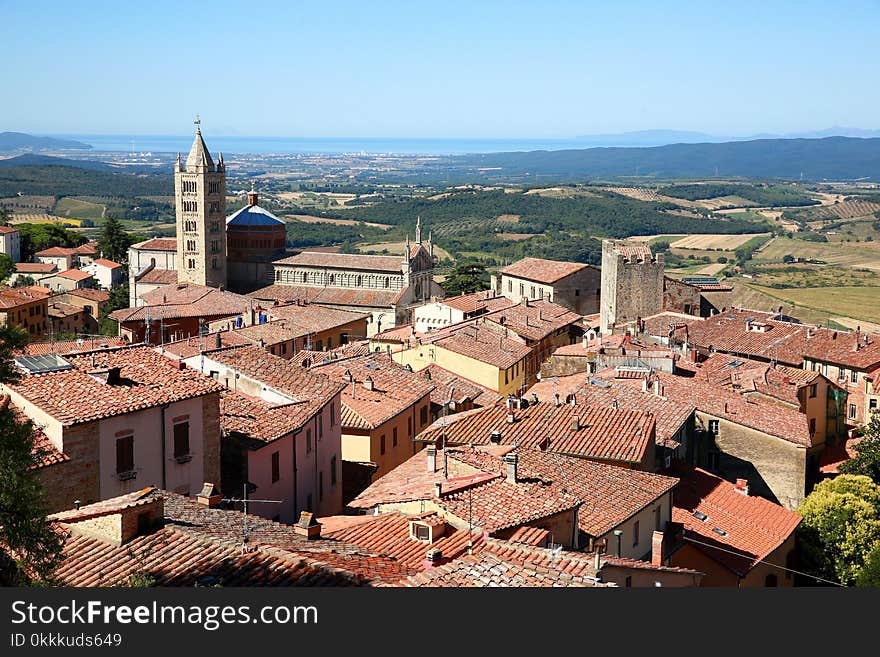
{"x": 450, "y": 386}
{"x": 6, "y": 230}
{"x": 65, "y": 347}
{"x": 12, "y": 297}
{"x": 534, "y": 321}
{"x": 106, "y": 263}
{"x": 157, "y": 244}
{"x": 765, "y": 416}
{"x": 670, "y": 414}
{"x": 100, "y": 296}
{"x": 833, "y": 456}
{"x": 260, "y": 420}
{"x": 38, "y": 291}
{"x": 753, "y": 527}
{"x": 202, "y": 546}
{"x": 345, "y": 261}
{"x": 633, "y": 251}
{"x": 603, "y": 433}
{"x": 56, "y": 251}
{"x": 147, "y": 380}
{"x": 159, "y": 277}
{"x": 35, "y": 267}
{"x": 542, "y": 271}
{"x": 476, "y": 301}
{"x": 89, "y": 248}
{"x": 186, "y": 300}
{"x": 59, "y": 309}
{"x": 395, "y": 389}
{"x": 309, "y": 357}
{"x": 341, "y": 296}
{"x": 44, "y": 451}
{"x": 389, "y": 534}
{"x": 531, "y": 536}
{"x": 194, "y": 345}
{"x": 297, "y": 383}
{"x": 314, "y": 319}
{"x": 74, "y": 274}
{"x": 484, "y": 344}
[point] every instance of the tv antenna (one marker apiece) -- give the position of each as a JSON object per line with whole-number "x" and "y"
{"x": 245, "y": 532}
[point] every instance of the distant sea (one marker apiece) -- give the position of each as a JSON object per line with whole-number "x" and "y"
{"x": 330, "y": 145}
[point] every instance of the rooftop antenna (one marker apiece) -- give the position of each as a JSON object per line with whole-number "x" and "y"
{"x": 245, "y": 532}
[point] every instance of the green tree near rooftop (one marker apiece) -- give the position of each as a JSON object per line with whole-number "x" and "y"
{"x": 841, "y": 527}
{"x": 867, "y": 459}
{"x": 114, "y": 241}
{"x": 467, "y": 277}
{"x": 29, "y": 547}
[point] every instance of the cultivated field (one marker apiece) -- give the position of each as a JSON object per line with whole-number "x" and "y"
{"x": 856, "y": 302}
{"x": 73, "y": 207}
{"x": 311, "y": 219}
{"x": 515, "y": 237}
{"x": 28, "y": 203}
{"x": 865, "y": 255}
{"x": 33, "y": 218}
{"x": 846, "y": 210}
{"x": 508, "y": 218}
{"x": 724, "y": 242}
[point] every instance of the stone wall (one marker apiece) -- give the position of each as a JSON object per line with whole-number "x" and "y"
{"x": 630, "y": 289}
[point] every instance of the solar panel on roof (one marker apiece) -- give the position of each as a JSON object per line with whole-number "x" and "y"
{"x": 43, "y": 364}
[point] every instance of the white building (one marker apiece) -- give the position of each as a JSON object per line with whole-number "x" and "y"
{"x": 106, "y": 272}
{"x": 10, "y": 242}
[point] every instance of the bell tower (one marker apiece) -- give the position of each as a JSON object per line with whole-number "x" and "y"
{"x": 200, "y": 204}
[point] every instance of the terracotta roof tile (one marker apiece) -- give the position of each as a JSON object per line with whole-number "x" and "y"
{"x": 56, "y": 251}
{"x": 186, "y": 300}
{"x": 35, "y": 267}
{"x": 74, "y": 274}
{"x": 157, "y": 244}
{"x": 107, "y": 263}
{"x": 147, "y": 380}
{"x": 477, "y": 301}
{"x": 534, "y": 321}
{"x": 100, "y": 296}
{"x": 753, "y": 527}
{"x": 342, "y": 296}
{"x": 450, "y": 386}
{"x": 542, "y": 271}
{"x": 487, "y": 345}
{"x": 391, "y": 264}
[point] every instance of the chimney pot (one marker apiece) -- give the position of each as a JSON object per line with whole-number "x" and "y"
{"x": 511, "y": 461}
{"x": 742, "y": 486}
{"x": 511, "y": 417}
{"x": 658, "y": 549}
{"x": 495, "y": 437}
{"x": 368, "y": 383}
{"x": 209, "y": 495}
{"x": 308, "y": 526}
{"x": 431, "y": 457}
{"x": 438, "y": 489}
{"x": 575, "y": 423}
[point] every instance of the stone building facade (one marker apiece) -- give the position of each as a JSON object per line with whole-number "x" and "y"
{"x": 632, "y": 285}
{"x": 200, "y": 204}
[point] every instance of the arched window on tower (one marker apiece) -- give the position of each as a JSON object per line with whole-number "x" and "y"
{"x": 360, "y": 280}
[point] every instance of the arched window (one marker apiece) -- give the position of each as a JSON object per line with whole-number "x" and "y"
{"x": 332, "y": 279}
{"x": 387, "y": 282}
{"x": 360, "y": 280}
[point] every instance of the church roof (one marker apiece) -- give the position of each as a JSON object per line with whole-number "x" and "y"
{"x": 253, "y": 215}
{"x": 198, "y": 154}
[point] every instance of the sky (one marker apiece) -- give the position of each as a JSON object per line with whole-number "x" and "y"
{"x": 375, "y": 68}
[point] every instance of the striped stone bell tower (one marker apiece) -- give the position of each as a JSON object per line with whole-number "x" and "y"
{"x": 200, "y": 203}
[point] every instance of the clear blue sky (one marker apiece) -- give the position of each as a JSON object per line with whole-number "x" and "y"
{"x": 437, "y": 69}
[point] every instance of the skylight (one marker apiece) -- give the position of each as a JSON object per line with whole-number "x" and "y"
{"x": 719, "y": 531}
{"x": 699, "y": 515}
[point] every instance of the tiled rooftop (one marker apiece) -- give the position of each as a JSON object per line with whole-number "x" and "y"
{"x": 65, "y": 347}
{"x": 484, "y": 344}
{"x": 330, "y": 295}
{"x": 670, "y": 414}
{"x": 12, "y": 297}
{"x": 157, "y": 244}
{"x": 146, "y": 380}
{"x": 74, "y": 274}
{"x": 602, "y": 433}
{"x": 450, "y": 386}
{"x": 542, "y": 271}
{"x": 35, "y": 267}
{"x": 477, "y": 301}
{"x": 99, "y": 296}
{"x": 186, "y": 300}
{"x": 261, "y": 420}
{"x": 534, "y": 321}
{"x": 395, "y": 389}
{"x": 391, "y": 264}
{"x": 753, "y": 527}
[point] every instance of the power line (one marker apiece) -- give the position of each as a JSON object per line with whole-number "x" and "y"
{"x": 749, "y": 557}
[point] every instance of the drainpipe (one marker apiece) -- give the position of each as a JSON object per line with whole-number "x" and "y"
{"x": 162, "y": 409}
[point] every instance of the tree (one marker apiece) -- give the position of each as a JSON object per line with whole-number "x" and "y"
{"x": 29, "y": 545}
{"x": 36, "y": 237}
{"x": 118, "y": 299}
{"x": 870, "y": 574}
{"x": 841, "y": 527}
{"x": 867, "y": 459}
{"x": 467, "y": 277}
{"x": 114, "y": 241}
{"x": 7, "y": 266}
{"x": 788, "y": 258}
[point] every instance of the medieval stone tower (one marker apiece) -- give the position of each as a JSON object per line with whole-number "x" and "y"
{"x": 200, "y": 201}
{"x": 632, "y": 285}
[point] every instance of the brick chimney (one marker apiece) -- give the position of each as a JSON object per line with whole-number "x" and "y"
{"x": 431, "y": 458}
{"x": 209, "y": 495}
{"x": 308, "y": 526}
{"x": 742, "y": 486}
{"x": 658, "y": 549}
{"x": 511, "y": 461}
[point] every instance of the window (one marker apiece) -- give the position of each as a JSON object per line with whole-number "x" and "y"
{"x": 657, "y": 519}
{"x": 409, "y": 432}
{"x": 713, "y": 427}
{"x": 510, "y": 286}
{"x": 423, "y": 415}
{"x": 852, "y": 411}
{"x": 276, "y": 467}
{"x": 320, "y": 427}
{"x": 394, "y": 437}
{"x": 333, "y": 470}
{"x": 813, "y": 390}
{"x": 181, "y": 439}
{"x": 190, "y": 245}
{"x": 214, "y": 187}
{"x": 812, "y": 425}
{"x": 332, "y": 415}
{"x": 854, "y": 376}
{"x": 872, "y": 404}
{"x": 629, "y": 581}
{"x": 320, "y": 486}
{"x": 214, "y": 206}
{"x": 125, "y": 454}
{"x": 636, "y": 533}
{"x": 421, "y": 532}
{"x": 382, "y": 444}
{"x": 191, "y": 263}
{"x": 522, "y": 289}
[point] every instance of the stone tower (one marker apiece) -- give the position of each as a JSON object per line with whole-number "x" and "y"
{"x": 632, "y": 285}
{"x": 200, "y": 202}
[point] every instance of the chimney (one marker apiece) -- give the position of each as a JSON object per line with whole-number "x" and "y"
{"x": 511, "y": 417}
{"x": 252, "y": 198}
{"x": 347, "y": 376}
{"x": 575, "y": 423}
{"x": 742, "y": 486}
{"x": 433, "y": 557}
{"x": 525, "y": 302}
{"x": 495, "y": 437}
{"x": 368, "y": 383}
{"x": 511, "y": 460}
{"x": 658, "y": 549}
{"x": 114, "y": 376}
{"x": 534, "y": 398}
{"x": 307, "y": 526}
{"x": 209, "y": 496}
{"x": 431, "y": 458}
{"x": 658, "y": 388}
{"x": 645, "y": 384}
{"x": 181, "y": 365}
{"x": 556, "y": 399}
{"x": 571, "y": 399}
{"x": 438, "y": 489}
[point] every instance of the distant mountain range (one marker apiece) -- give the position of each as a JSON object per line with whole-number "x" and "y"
{"x": 830, "y": 158}
{"x": 16, "y": 141}
{"x": 664, "y": 137}
{"x": 34, "y": 160}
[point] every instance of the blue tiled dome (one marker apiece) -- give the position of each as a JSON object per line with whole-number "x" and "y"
{"x": 253, "y": 215}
